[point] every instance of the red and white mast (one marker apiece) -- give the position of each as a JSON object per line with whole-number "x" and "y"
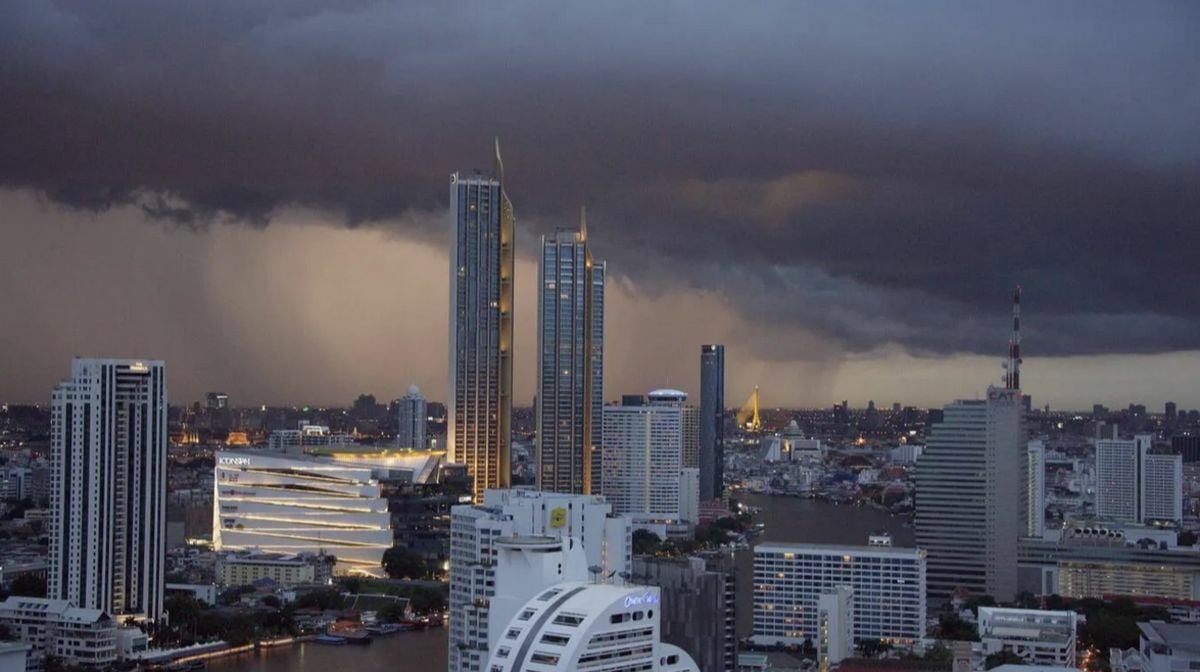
{"x": 1012, "y": 379}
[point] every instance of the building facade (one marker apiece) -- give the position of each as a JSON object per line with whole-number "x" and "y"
{"x": 589, "y": 626}
{"x": 969, "y": 483}
{"x": 479, "y": 399}
{"x": 276, "y": 504}
{"x": 712, "y": 422}
{"x": 1038, "y": 637}
{"x": 410, "y": 432}
{"x": 244, "y": 568}
{"x": 108, "y": 493}
{"x": 477, "y": 533}
{"x": 570, "y": 379}
{"x": 1135, "y": 485}
{"x": 835, "y": 627}
{"x": 83, "y": 637}
{"x": 699, "y": 609}
{"x": 888, "y": 585}
{"x": 1035, "y": 488}
{"x": 644, "y": 456}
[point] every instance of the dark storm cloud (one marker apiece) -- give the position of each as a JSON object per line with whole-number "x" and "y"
{"x": 873, "y": 172}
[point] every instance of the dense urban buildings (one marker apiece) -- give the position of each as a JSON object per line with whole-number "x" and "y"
{"x": 712, "y": 422}
{"x": 413, "y": 414}
{"x": 969, "y": 494}
{"x": 479, "y": 397}
{"x": 290, "y": 505}
{"x": 477, "y": 533}
{"x": 108, "y": 492}
{"x": 570, "y": 392}
{"x": 699, "y": 607}
{"x": 644, "y": 456}
{"x": 887, "y": 584}
{"x": 1135, "y": 485}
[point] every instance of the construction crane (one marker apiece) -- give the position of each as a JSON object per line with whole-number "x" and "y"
{"x": 748, "y": 416}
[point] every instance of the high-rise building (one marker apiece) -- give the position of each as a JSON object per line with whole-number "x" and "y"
{"x": 712, "y": 422}
{"x": 645, "y": 456}
{"x": 835, "y": 627}
{"x": 1170, "y": 414}
{"x": 410, "y": 432}
{"x": 887, "y": 583}
{"x": 570, "y": 392}
{"x": 699, "y": 609}
{"x": 479, "y": 402}
{"x": 969, "y": 484}
{"x": 1187, "y": 446}
{"x": 216, "y": 401}
{"x": 1134, "y": 485}
{"x": 477, "y": 533}
{"x": 108, "y": 497}
{"x": 1035, "y": 489}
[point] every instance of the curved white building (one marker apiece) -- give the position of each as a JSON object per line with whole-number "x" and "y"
{"x": 300, "y": 505}
{"x": 588, "y": 626}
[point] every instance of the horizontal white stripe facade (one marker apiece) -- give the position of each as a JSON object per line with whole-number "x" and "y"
{"x": 301, "y": 505}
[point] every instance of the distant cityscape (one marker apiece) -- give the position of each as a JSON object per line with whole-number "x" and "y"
{"x": 597, "y": 529}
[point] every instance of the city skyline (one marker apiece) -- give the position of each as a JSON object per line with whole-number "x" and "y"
{"x": 870, "y": 203}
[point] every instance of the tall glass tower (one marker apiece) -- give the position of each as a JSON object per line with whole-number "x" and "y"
{"x": 570, "y": 363}
{"x": 479, "y": 399}
{"x": 712, "y": 422}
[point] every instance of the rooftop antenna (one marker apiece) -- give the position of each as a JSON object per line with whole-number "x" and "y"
{"x": 1012, "y": 375}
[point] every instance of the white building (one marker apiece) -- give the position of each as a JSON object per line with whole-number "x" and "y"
{"x": 835, "y": 627}
{"x": 413, "y": 415}
{"x": 1035, "y": 486}
{"x": 888, "y": 587}
{"x": 86, "y": 637}
{"x": 969, "y": 489}
{"x": 907, "y": 453}
{"x": 588, "y": 626}
{"x": 1164, "y": 647}
{"x": 300, "y": 504}
{"x": 644, "y": 455}
{"x": 15, "y": 657}
{"x": 297, "y": 441}
{"x": 108, "y": 494}
{"x": 1038, "y": 637}
{"x": 1134, "y": 485}
{"x": 479, "y": 533}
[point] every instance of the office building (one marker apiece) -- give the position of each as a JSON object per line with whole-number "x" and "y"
{"x": 476, "y": 533}
{"x": 275, "y": 504}
{"x": 835, "y": 627}
{"x": 570, "y": 392}
{"x": 216, "y": 401}
{"x": 1134, "y": 485}
{"x": 699, "y": 608}
{"x": 77, "y": 636}
{"x": 584, "y": 626}
{"x": 108, "y": 498}
{"x": 712, "y": 422}
{"x": 1035, "y": 489}
{"x": 290, "y": 569}
{"x": 969, "y": 494}
{"x": 410, "y": 432}
{"x": 1187, "y": 446}
{"x": 15, "y": 483}
{"x": 1038, "y": 637}
{"x": 1095, "y": 560}
{"x": 1162, "y": 647}
{"x": 479, "y": 399}
{"x": 644, "y": 456}
{"x": 888, "y": 586}
{"x": 305, "y": 438}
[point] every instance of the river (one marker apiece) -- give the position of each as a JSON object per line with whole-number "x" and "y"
{"x": 786, "y": 520}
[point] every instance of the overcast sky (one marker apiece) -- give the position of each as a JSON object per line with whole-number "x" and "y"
{"x": 844, "y": 193}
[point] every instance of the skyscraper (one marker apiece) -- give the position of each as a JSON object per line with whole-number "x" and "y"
{"x": 646, "y": 467}
{"x": 571, "y": 362}
{"x": 108, "y": 498}
{"x": 968, "y": 496}
{"x": 1134, "y": 485}
{"x": 479, "y": 402}
{"x": 413, "y": 414}
{"x": 712, "y": 422}
{"x": 1035, "y": 489}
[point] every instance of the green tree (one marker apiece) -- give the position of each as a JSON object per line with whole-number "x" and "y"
{"x": 1003, "y": 657}
{"x": 873, "y": 648}
{"x": 353, "y": 585}
{"x": 952, "y": 626}
{"x": 28, "y": 585}
{"x": 1186, "y": 538}
{"x": 427, "y": 600}
{"x": 939, "y": 653}
{"x": 401, "y": 563}
{"x": 646, "y": 542}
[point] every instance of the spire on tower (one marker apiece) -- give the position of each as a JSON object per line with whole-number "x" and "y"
{"x": 1012, "y": 378}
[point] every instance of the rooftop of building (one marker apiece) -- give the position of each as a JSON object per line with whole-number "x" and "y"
{"x": 858, "y": 549}
{"x": 1177, "y": 636}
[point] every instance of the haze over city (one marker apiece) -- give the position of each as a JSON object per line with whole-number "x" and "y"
{"x": 842, "y": 194}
